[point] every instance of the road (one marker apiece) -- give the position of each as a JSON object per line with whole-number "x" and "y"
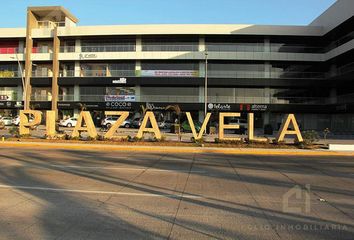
{"x": 69, "y": 194}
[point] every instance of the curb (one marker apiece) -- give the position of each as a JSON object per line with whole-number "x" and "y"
{"x": 166, "y": 149}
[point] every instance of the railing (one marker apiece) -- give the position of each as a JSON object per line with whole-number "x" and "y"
{"x": 298, "y": 75}
{"x": 236, "y": 74}
{"x": 65, "y": 49}
{"x": 170, "y": 48}
{"x": 211, "y": 74}
{"x": 39, "y": 73}
{"x": 264, "y": 74}
{"x": 109, "y": 48}
{"x": 50, "y": 24}
{"x": 200, "y": 99}
{"x": 37, "y": 97}
{"x": 97, "y": 73}
{"x": 295, "y": 49}
{"x": 9, "y": 50}
{"x": 260, "y": 47}
{"x": 66, "y": 97}
{"x": 41, "y": 49}
{"x": 224, "y": 47}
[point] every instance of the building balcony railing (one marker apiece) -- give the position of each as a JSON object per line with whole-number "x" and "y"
{"x": 109, "y": 48}
{"x": 169, "y": 48}
{"x": 200, "y": 99}
{"x": 264, "y": 74}
{"x": 223, "y": 47}
{"x": 97, "y": 73}
{"x": 193, "y": 73}
{"x": 50, "y": 24}
{"x": 67, "y": 49}
{"x": 41, "y": 74}
{"x": 10, "y": 50}
{"x": 38, "y": 97}
{"x": 260, "y": 47}
{"x": 42, "y": 50}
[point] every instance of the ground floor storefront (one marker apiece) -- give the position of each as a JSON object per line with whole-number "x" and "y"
{"x": 336, "y": 118}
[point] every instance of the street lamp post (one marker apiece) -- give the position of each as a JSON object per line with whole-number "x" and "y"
{"x": 22, "y": 78}
{"x": 206, "y": 85}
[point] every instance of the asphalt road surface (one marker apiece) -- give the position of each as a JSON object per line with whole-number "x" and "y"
{"x": 68, "y": 194}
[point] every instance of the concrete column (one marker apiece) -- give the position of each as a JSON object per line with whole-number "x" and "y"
{"x": 267, "y": 47}
{"x": 21, "y": 46}
{"x": 137, "y": 93}
{"x": 19, "y": 93}
{"x": 76, "y": 93}
{"x": 201, "y": 46}
{"x": 201, "y": 95}
{"x": 267, "y": 96}
{"x": 266, "y": 118}
{"x": 267, "y": 70}
{"x": 139, "y": 45}
{"x": 77, "y": 69}
{"x": 78, "y": 45}
{"x": 202, "y": 69}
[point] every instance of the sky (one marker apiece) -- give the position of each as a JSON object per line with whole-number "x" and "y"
{"x": 120, "y": 12}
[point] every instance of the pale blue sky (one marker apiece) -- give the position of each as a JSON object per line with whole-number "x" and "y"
{"x": 111, "y": 12}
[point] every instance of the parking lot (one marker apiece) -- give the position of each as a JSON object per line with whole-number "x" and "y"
{"x": 69, "y": 194}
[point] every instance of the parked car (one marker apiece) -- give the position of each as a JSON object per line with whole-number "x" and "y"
{"x": 6, "y": 120}
{"x": 16, "y": 120}
{"x": 70, "y": 122}
{"x": 109, "y": 121}
{"x": 185, "y": 127}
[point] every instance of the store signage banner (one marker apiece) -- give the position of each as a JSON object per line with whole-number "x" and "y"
{"x": 168, "y": 73}
{"x": 119, "y": 98}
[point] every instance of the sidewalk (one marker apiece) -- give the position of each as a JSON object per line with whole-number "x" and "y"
{"x": 168, "y": 149}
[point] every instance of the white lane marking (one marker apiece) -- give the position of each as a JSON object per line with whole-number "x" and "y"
{"x": 97, "y": 192}
{"x": 125, "y": 168}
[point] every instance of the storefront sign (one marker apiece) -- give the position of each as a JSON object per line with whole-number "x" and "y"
{"x": 119, "y": 105}
{"x": 85, "y": 117}
{"x": 259, "y": 107}
{"x": 119, "y": 98}
{"x": 218, "y": 106}
{"x": 168, "y": 73}
{"x": 153, "y": 106}
{"x": 87, "y": 56}
{"x": 120, "y": 81}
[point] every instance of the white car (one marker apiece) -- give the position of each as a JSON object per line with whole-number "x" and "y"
{"x": 109, "y": 121}
{"x": 70, "y": 122}
{"x": 6, "y": 120}
{"x": 16, "y": 120}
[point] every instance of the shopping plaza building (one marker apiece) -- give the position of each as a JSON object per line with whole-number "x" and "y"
{"x": 269, "y": 70}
